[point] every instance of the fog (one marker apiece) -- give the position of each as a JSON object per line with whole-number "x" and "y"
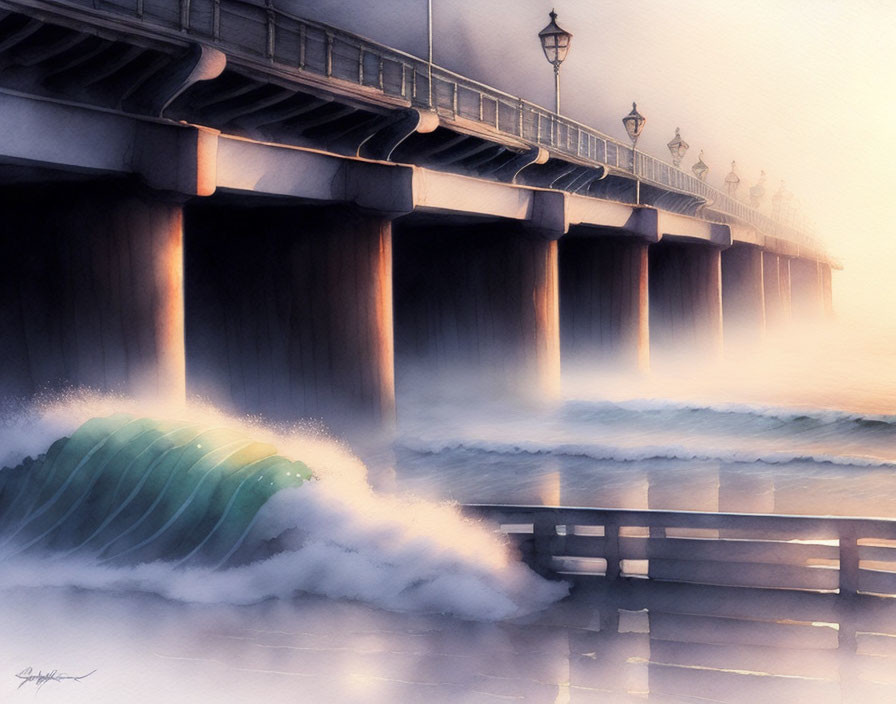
{"x": 798, "y": 88}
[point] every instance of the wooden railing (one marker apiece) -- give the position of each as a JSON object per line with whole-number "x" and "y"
{"x": 849, "y": 555}
{"x": 261, "y": 32}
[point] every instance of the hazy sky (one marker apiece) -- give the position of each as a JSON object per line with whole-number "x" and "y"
{"x": 801, "y": 88}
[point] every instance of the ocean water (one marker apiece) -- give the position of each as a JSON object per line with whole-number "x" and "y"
{"x": 179, "y": 554}
{"x": 802, "y": 423}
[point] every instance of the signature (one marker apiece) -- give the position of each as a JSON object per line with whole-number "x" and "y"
{"x": 40, "y": 678}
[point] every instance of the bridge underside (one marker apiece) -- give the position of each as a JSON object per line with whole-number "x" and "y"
{"x": 476, "y": 306}
{"x": 180, "y": 221}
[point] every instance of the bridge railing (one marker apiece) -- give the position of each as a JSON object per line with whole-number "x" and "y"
{"x": 260, "y": 31}
{"x": 746, "y": 550}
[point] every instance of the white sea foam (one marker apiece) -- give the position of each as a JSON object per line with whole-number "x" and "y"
{"x": 642, "y": 452}
{"x": 337, "y": 536}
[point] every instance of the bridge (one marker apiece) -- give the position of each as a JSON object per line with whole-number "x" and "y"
{"x": 218, "y": 197}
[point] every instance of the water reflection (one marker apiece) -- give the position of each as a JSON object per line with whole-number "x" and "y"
{"x": 622, "y": 642}
{"x": 805, "y": 488}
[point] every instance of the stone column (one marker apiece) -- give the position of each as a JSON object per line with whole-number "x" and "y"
{"x": 603, "y": 300}
{"x": 772, "y": 289}
{"x": 806, "y": 289}
{"x": 685, "y": 297}
{"x": 826, "y": 289}
{"x": 476, "y": 309}
{"x": 289, "y": 311}
{"x": 91, "y": 290}
{"x": 785, "y": 288}
{"x": 743, "y": 292}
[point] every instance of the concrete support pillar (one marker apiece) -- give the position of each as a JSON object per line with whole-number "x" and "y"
{"x": 476, "y": 309}
{"x": 685, "y": 296}
{"x": 289, "y": 312}
{"x": 785, "y": 288}
{"x": 743, "y": 292}
{"x": 603, "y": 300}
{"x": 807, "y": 294}
{"x": 773, "y": 287}
{"x": 91, "y": 290}
{"x": 827, "y": 293}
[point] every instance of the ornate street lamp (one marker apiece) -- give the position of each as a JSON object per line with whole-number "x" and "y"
{"x": 678, "y": 147}
{"x": 634, "y": 124}
{"x": 732, "y": 181}
{"x": 776, "y": 201}
{"x": 700, "y": 169}
{"x": 555, "y": 44}
{"x": 757, "y": 192}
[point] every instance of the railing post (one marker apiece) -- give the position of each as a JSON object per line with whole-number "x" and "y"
{"x": 329, "y": 54}
{"x": 544, "y": 531}
{"x": 302, "y": 41}
{"x": 454, "y": 98}
{"x": 271, "y": 29}
{"x": 520, "y": 121}
{"x": 184, "y": 15}
{"x": 481, "y": 113}
{"x": 139, "y": 9}
{"x": 849, "y": 561}
{"x": 611, "y": 552}
{"x": 216, "y": 19}
{"x": 379, "y": 73}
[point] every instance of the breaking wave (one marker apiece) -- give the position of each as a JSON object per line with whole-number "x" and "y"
{"x": 195, "y": 507}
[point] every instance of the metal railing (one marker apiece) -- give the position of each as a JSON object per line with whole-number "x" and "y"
{"x": 259, "y": 31}
{"x": 817, "y": 553}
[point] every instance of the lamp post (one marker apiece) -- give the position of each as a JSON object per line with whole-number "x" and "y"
{"x": 732, "y": 180}
{"x": 757, "y": 192}
{"x": 634, "y": 125}
{"x": 555, "y": 44}
{"x": 678, "y": 148}
{"x": 700, "y": 168}
{"x": 429, "y": 49}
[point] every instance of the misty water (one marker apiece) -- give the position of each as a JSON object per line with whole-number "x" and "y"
{"x": 366, "y": 583}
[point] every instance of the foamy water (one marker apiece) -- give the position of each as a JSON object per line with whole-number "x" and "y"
{"x": 392, "y": 595}
{"x": 334, "y": 535}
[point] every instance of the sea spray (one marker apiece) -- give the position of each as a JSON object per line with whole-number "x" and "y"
{"x": 332, "y": 535}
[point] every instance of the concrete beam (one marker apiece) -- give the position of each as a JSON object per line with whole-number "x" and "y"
{"x": 43, "y": 133}
{"x": 195, "y": 161}
{"x": 745, "y": 234}
{"x": 439, "y": 192}
{"x": 681, "y": 227}
{"x": 66, "y": 137}
{"x": 266, "y": 169}
{"x": 592, "y": 212}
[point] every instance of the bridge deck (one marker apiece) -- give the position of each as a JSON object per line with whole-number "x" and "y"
{"x": 322, "y": 85}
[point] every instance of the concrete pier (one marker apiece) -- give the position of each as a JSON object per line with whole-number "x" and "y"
{"x": 686, "y": 296}
{"x": 776, "y": 288}
{"x": 477, "y": 303}
{"x": 827, "y": 293}
{"x": 743, "y": 293}
{"x": 603, "y": 300}
{"x": 90, "y": 290}
{"x": 289, "y": 311}
{"x": 807, "y": 293}
{"x": 786, "y": 287}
